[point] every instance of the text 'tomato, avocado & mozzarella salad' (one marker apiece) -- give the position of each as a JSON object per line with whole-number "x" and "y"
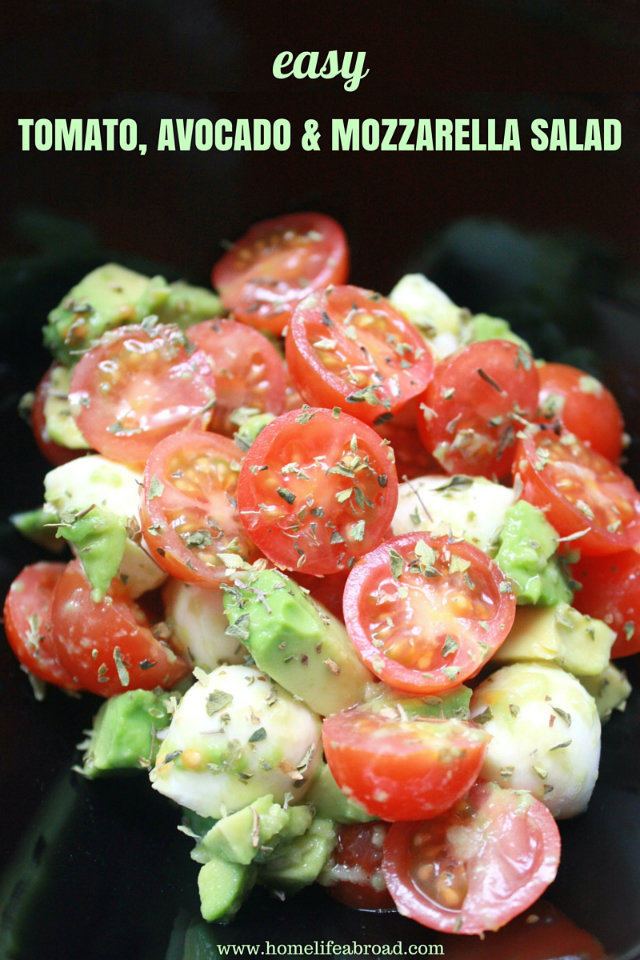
{"x": 349, "y": 572}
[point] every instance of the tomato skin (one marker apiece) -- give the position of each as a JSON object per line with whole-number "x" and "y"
{"x": 27, "y": 622}
{"x": 355, "y": 867}
{"x": 423, "y": 632}
{"x": 583, "y": 494}
{"x": 474, "y": 405}
{"x": 316, "y": 490}
{"x": 611, "y": 592}
{"x": 137, "y": 386}
{"x": 583, "y": 406}
{"x": 402, "y": 769}
{"x": 276, "y": 264}
{"x": 374, "y": 360}
{"x": 478, "y": 865}
{"x": 327, "y": 590}
{"x": 90, "y": 637}
{"x": 188, "y": 505}
{"x": 249, "y": 371}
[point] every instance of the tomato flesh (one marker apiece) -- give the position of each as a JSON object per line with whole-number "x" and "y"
{"x": 583, "y": 406}
{"x": 348, "y": 347}
{"x": 475, "y": 867}
{"x": 249, "y": 372}
{"x": 584, "y": 495}
{"x": 425, "y": 613}
{"x": 475, "y": 404}
{"x": 611, "y": 592}
{"x": 108, "y": 646}
{"x": 138, "y": 385}
{"x": 316, "y": 490}
{"x": 276, "y": 264}
{"x": 188, "y": 510}
{"x": 355, "y": 867}
{"x": 27, "y": 622}
{"x": 400, "y": 768}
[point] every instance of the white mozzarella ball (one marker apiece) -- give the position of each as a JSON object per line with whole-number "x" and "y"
{"x": 198, "y": 625}
{"x": 235, "y": 736}
{"x": 470, "y": 507}
{"x": 545, "y": 734}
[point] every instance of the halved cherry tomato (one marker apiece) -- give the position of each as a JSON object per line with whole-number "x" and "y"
{"x": 583, "y": 406}
{"x": 317, "y": 489}
{"x": 584, "y": 495}
{"x": 326, "y": 590}
{"x": 52, "y": 451}
{"x": 349, "y": 347}
{"x": 354, "y": 870}
{"x": 426, "y": 613}
{"x": 475, "y": 404}
{"x": 411, "y": 456}
{"x": 249, "y": 371}
{"x": 276, "y": 264}
{"x": 108, "y": 646}
{"x": 138, "y": 385}
{"x": 27, "y": 622}
{"x": 188, "y": 509}
{"x": 611, "y": 592}
{"x": 475, "y": 867}
{"x": 400, "y": 768}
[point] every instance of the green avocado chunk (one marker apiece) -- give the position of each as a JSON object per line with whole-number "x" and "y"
{"x": 295, "y": 641}
{"x": 223, "y": 886}
{"x": 331, "y": 803}
{"x": 485, "y": 327}
{"x": 526, "y": 554}
{"x": 298, "y": 862}
{"x": 100, "y": 538}
{"x": 112, "y": 295}
{"x": 124, "y": 733}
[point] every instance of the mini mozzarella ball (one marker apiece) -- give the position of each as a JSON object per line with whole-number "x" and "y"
{"x": 437, "y": 317}
{"x": 469, "y": 507}
{"x": 198, "y": 625}
{"x": 235, "y": 736}
{"x": 95, "y": 480}
{"x": 545, "y": 734}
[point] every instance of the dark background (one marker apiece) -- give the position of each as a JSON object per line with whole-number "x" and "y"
{"x": 548, "y": 240}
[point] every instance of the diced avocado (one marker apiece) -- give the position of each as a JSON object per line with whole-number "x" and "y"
{"x": 99, "y": 537}
{"x": 526, "y": 554}
{"x": 59, "y": 422}
{"x": 39, "y": 526}
{"x": 106, "y": 298}
{"x": 453, "y": 703}
{"x": 297, "y": 863}
{"x": 561, "y": 635}
{"x": 222, "y": 887}
{"x": 484, "y": 327}
{"x": 610, "y": 689}
{"x": 249, "y": 429}
{"x": 240, "y": 836}
{"x": 124, "y": 733}
{"x": 187, "y": 304}
{"x": 331, "y": 803}
{"x": 295, "y": 641}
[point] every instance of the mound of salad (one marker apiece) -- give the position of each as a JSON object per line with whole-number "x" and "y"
{"x": 350, "y": 573}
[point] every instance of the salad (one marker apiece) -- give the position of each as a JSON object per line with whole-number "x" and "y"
{"x": 351, "y": 575}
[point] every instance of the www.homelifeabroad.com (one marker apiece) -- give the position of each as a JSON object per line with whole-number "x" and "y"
{"x": 329, "y": 948}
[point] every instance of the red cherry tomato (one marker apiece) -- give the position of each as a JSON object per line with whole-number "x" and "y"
{"x": 412, "y": 459}
{"x": 611, "y": 592}
{"x": 474, "y": 406}
{"x": 317, "y": 489}
{"x": 108, "y": 646}
{"x": 188, "y": 510}
{"x": 583, "y": 494}
{"x": 583, "y": 406}
{"x": 349, "y": 347}
{"x": 355, "y": 867}
{"x": 400, "y": 768}
{"x": 276, "y": 264}
{"x": 475, "y": 867}
{"x": 326, "y": 590}
{"x": 425, "y": 613}
{"x": 27, "y": 622}
{"x": 52, "y": 451}
{"x": 137, "y": 386}
{"x": 249, "y": 371}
